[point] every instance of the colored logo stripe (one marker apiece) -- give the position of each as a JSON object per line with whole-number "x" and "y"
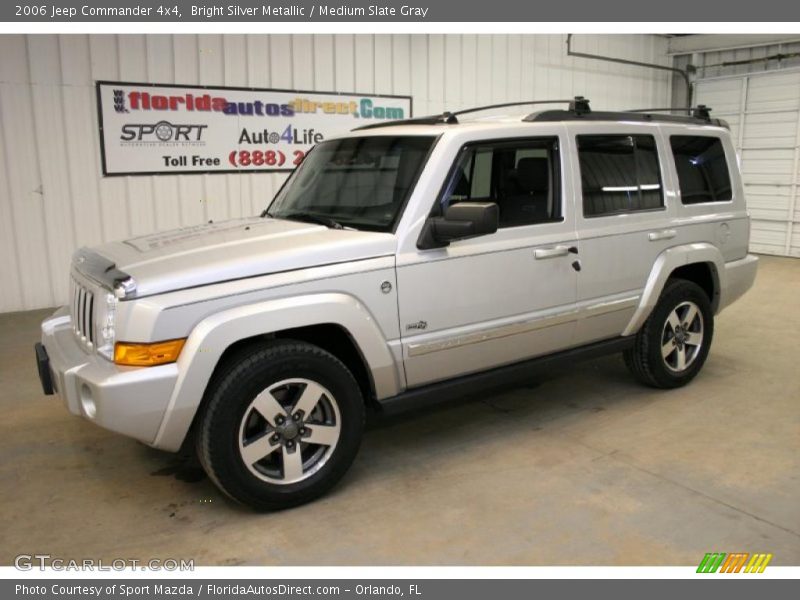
{"x": 758, "y": 563}
{"x": 714, "y": 562}
{"x": 734, "y": 562}
{"x": 711, "y": 562}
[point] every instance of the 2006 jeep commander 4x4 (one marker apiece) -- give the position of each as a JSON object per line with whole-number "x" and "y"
{"x": 402, "y": 264}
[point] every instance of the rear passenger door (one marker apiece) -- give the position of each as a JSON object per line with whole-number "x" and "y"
{"x": 624, "y": 217}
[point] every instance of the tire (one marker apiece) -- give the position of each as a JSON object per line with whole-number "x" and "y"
{"x": 249, "y": 413}
{"x": 666, "y": 354}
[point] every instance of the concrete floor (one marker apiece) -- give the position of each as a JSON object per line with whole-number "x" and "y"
{"x": 583, "y": 468}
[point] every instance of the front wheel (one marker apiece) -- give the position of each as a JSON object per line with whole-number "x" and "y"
{"x": 281, "y": 426}
{"x": 673, "y": 344}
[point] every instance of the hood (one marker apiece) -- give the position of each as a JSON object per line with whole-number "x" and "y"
{"x": 235, "y": 249}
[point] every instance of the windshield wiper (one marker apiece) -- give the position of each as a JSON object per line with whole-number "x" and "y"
{"x": 308, "y": 217}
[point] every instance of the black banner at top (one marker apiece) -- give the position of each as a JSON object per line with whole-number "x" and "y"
{"x": 744, "y": 11}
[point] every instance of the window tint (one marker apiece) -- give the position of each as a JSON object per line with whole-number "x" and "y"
{"x": 702, "y": 170}
{"x": 619, "y": 174}
{"x": 521, "y": 177}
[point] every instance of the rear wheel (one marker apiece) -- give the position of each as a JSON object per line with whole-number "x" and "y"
{"x": 281, "y": 426}
{"x": 673, "y": 344}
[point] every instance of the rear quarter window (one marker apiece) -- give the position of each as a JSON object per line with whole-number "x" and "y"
{"x": 702, "y": 169}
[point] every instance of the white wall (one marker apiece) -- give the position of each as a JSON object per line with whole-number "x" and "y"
{"x": 53, "y": 198}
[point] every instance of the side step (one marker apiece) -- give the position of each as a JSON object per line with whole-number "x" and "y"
{"x": 469, "y": 385}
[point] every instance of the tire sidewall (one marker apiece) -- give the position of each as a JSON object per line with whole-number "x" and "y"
{"x": 232, "y": 398}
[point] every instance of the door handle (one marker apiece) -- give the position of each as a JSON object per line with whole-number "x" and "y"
{"x": 666, "y": 234}
{"x": 553, "y": 252}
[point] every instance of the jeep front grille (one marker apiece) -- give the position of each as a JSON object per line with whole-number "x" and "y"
{"x": 82, "y": 312}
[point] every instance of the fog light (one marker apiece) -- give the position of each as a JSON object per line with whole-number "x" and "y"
{"x": 147, "y": 355}
{"x": 87, "y": 402}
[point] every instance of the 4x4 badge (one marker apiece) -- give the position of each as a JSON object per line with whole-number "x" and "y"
{"x": 417, "y": 325}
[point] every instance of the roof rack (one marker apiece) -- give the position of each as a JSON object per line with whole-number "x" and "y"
{"x": 577, "y": 109}
{"x": 697, "y": 115}
{"x": 627, "y": 116}
{"x": 579, "y": 105}
{"x": 701, "y": 111}
{"x": 446, "y": 118}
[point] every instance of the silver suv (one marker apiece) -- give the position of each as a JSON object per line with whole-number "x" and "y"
{"x": 400, "y": 265}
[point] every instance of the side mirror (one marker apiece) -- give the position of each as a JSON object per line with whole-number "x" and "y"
{"x": 462, "y": 220}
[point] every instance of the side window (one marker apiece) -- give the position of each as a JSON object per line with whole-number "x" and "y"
{"x": 522, "y": 177}
{"x": 619, "y": 174}
{"x": 702, "y": 170}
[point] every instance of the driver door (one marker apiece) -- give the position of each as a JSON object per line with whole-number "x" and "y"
{"x": 501, "y": 298}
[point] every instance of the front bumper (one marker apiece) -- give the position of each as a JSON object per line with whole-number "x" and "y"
{"x": 128, "y": 400}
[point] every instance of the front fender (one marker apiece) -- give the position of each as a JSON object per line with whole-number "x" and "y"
{"x": 664, "y": 265}
{"x": 212, "y": 336}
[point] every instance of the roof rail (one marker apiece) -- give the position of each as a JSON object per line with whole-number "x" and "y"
{"x": 578, "y": 104}
{"x": 701, "y": 111}
{"x": 571, "y": 102}
{"x": 577, "y": 109}
{"x": 446, "y": 118}
{"x": 698, "y": 115}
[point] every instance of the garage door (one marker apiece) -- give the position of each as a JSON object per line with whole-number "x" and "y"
{"x": 764, "y": 112}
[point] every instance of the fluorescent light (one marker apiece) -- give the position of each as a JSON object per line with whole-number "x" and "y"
{"x": 621, "y": 188}
{"x": 632, "y": 188}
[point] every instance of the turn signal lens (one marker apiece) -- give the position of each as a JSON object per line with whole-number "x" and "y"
{"x": 147, "y": 355}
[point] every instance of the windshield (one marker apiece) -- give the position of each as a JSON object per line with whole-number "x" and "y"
{"x": 360, "y": 182}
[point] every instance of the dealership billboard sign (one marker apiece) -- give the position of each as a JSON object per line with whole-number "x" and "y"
{"x": 150, "y": 129}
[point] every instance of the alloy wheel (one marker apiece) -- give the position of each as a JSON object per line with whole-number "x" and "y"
{"x": 682, "y": 336}
{"x": 289, "y": 431}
